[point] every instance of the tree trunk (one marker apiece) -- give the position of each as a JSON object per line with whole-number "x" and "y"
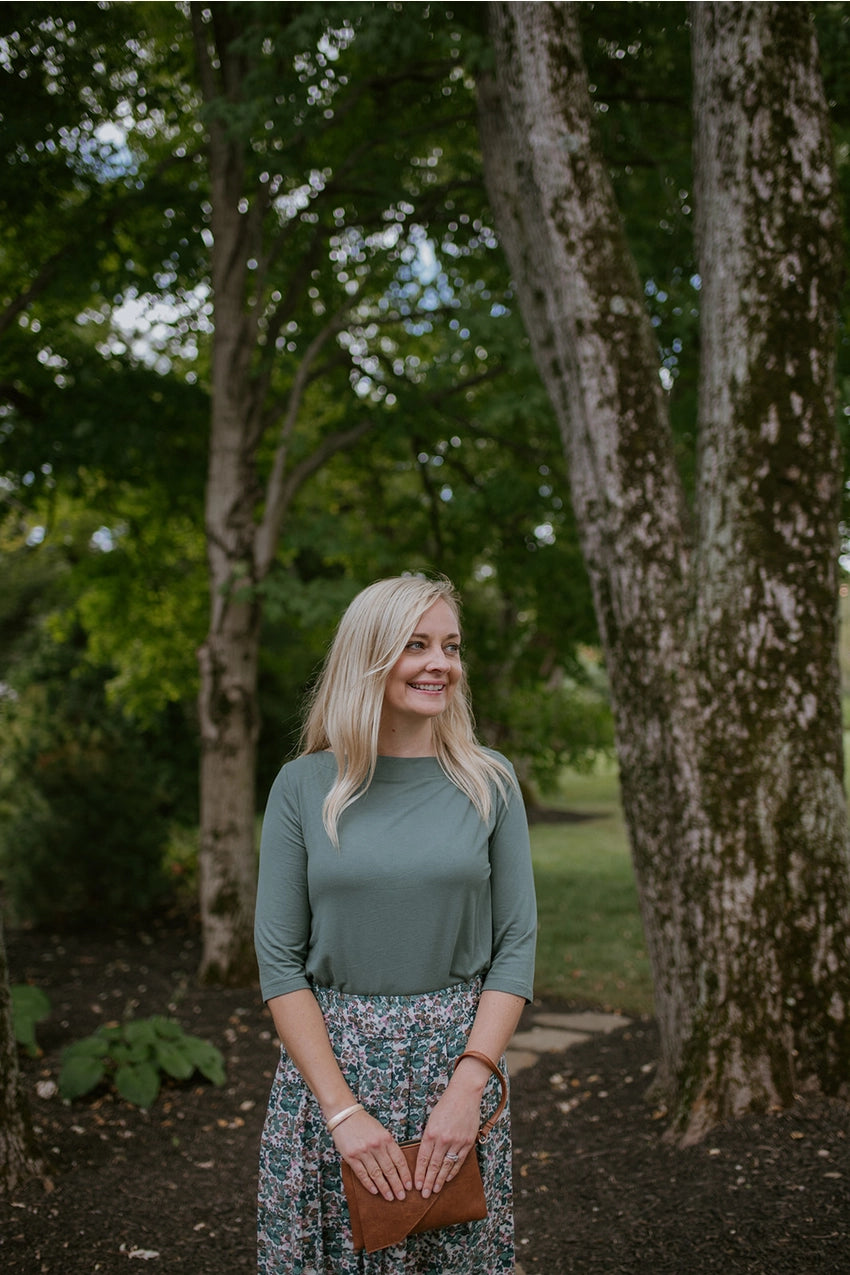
{"x": 770, "y": 252}
{"x": 244, "y": 517}
{"x": 19, "y": 1157}
{"x": 727, "y": 724}
{"x": 229, "y": 657}
{"x": 229, "y": 729}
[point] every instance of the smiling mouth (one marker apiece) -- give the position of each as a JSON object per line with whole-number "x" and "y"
{"x": 430, "y": 688}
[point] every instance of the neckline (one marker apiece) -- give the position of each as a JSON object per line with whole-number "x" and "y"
{"x": 388, "y": 766}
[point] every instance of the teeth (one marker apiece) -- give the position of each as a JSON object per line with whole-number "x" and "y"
{"x": 427, "y": 686}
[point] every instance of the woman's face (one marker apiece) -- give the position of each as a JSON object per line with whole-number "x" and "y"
{"x": 424, "y": 679}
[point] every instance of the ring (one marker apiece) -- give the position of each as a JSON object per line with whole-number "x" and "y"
{"x": 450, "y": 1155}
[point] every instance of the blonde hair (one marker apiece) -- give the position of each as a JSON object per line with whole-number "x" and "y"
{"x": 345, "y": 708}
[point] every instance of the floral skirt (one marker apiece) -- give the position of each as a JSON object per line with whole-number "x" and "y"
{"x": 397, "y": 1054}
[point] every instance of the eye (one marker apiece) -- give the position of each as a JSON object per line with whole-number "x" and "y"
{"x": 415, "y": 645}
{"x": 453, "y": 648}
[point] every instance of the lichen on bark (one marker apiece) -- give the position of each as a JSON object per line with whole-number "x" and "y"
{"x": 720, "y": 638}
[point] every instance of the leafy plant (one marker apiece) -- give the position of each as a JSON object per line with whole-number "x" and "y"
{"x": 134, "y": 1056}
{"x": 29, "y": 1006}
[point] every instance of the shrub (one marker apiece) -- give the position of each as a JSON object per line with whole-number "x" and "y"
{"x": 83, "y": 832}
{"x": 134, "y": 1057}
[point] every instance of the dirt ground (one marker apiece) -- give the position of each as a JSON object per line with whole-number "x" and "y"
{"x": 597, "y": 1190}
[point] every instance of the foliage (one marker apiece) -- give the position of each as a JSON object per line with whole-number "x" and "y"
{"x": 134, "y": 1057}
{"x": 30, "y": 1005}
{"x": 114, "y": 419}
{"x": 84, "y": 823}
{"x": 68, "y": 604}
{"x": 463, "y": 465}
{"x": 467, "y": 479}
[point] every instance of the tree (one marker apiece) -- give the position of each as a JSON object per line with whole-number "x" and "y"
{"x": 331, "y": 149}
{"x": 19, "y": 1157}
{"x": 335, "y": 224}
{"x": 718, "y": 625}
{"x": 60, "y": 228}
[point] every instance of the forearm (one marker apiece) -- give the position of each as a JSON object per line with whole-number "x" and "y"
{"x": 495, "y": 1023}
{"x": 454, "y": 1122}
{"x": 367, "y": 1146}
{"x": 301, "y": 1027}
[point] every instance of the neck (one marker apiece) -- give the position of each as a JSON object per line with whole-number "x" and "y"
{"x": 396, "y": 742}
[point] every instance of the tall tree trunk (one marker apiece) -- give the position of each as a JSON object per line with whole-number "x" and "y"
{"x": 228, "y": 659}
{"x": 727, "y": 723}
{"x": 19, "y": 1157}
{"x": 244, "y": 517}
{"x": 775, "y": 942}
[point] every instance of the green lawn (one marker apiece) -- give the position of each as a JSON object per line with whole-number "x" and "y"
{"x": 590, "y": 945}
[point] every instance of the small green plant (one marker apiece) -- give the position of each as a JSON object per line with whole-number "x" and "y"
{"x": 29, "y": 1006}
{"x": 134, "y": 1056}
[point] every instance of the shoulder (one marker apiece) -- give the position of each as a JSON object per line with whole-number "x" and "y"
{"x": 500, "y": 766}
{"x": 305, "y": 773}
{"x": 503, "y": 782}
{"x": 499, "y": 758}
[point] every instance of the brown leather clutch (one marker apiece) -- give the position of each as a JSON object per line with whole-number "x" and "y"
{"x": 377, "y": 1223}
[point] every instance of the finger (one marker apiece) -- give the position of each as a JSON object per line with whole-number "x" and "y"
{"x": 371, "y": 1175}
{"x": 448, "y": 1169}
{"x": 401, "y": 1166}
{"x": 379, "y": 1179}
{"x": 451, "y": 1165}
{"x": 423, "y": 1167}
{"x": 397, "y": 1177}
{"x": 432, "y": 1171}
{"x": 364, "y": 1176}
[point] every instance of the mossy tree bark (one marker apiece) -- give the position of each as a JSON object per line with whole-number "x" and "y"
{"x": 720, "y": 629}
{"x": 20, "y": 1159}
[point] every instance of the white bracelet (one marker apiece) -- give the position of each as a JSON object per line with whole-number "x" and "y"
{"x": 343, "y": 1115}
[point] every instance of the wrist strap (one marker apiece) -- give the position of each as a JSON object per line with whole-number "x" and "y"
{"x": 484, "y": 1131}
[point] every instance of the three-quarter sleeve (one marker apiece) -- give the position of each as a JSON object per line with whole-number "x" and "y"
{"x": 513, "y": 901}
{"x": 419, "y": 895}
{"x": 282, "y": 917}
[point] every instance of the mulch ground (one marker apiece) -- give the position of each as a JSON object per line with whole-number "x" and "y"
{"x": 598, "y": 1192}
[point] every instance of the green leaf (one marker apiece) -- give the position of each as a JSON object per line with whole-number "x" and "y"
{"x": 29, "y": 1006}
{"x": 208, "y": 1060}
{"x": 138, "y": 1083}
{"x": 88, "y": 1047}
{"x": 167, "y": 1028}
{"x": 173, "y": 1059}
{"x": 140, "y": 1032}
{"x": 137, "y": 1053}
{"x": 80, "y": 1073}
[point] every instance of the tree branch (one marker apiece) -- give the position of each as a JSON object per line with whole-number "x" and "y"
{"x": 288, "y": 485}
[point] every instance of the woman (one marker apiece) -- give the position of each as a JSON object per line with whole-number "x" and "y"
{"x": 395, "y": 929}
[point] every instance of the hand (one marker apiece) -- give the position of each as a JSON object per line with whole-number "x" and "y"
{"x": 450, "y": 1132}
{"x": 374, "y": 1155}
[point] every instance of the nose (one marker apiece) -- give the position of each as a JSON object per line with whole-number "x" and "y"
{"x": 437, "y": 659}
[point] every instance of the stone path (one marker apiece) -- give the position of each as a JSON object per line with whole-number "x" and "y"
{"x": 552, "y": 1033}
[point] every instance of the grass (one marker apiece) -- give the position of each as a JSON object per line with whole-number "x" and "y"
{"x": 590, "y": 944}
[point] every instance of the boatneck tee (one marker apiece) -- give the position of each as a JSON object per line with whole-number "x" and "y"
{"x": 422, "y": 894}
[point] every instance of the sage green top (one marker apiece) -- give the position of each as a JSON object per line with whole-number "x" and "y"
{"x": 422, "y": 894}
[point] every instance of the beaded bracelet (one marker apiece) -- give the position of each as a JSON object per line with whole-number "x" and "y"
{"x": 343, "y": 1115}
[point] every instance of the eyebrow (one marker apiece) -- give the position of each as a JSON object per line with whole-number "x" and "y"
{"x": 448, "y": 637}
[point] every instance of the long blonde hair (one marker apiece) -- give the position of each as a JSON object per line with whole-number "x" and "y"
{"x": 345, "y": 708}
